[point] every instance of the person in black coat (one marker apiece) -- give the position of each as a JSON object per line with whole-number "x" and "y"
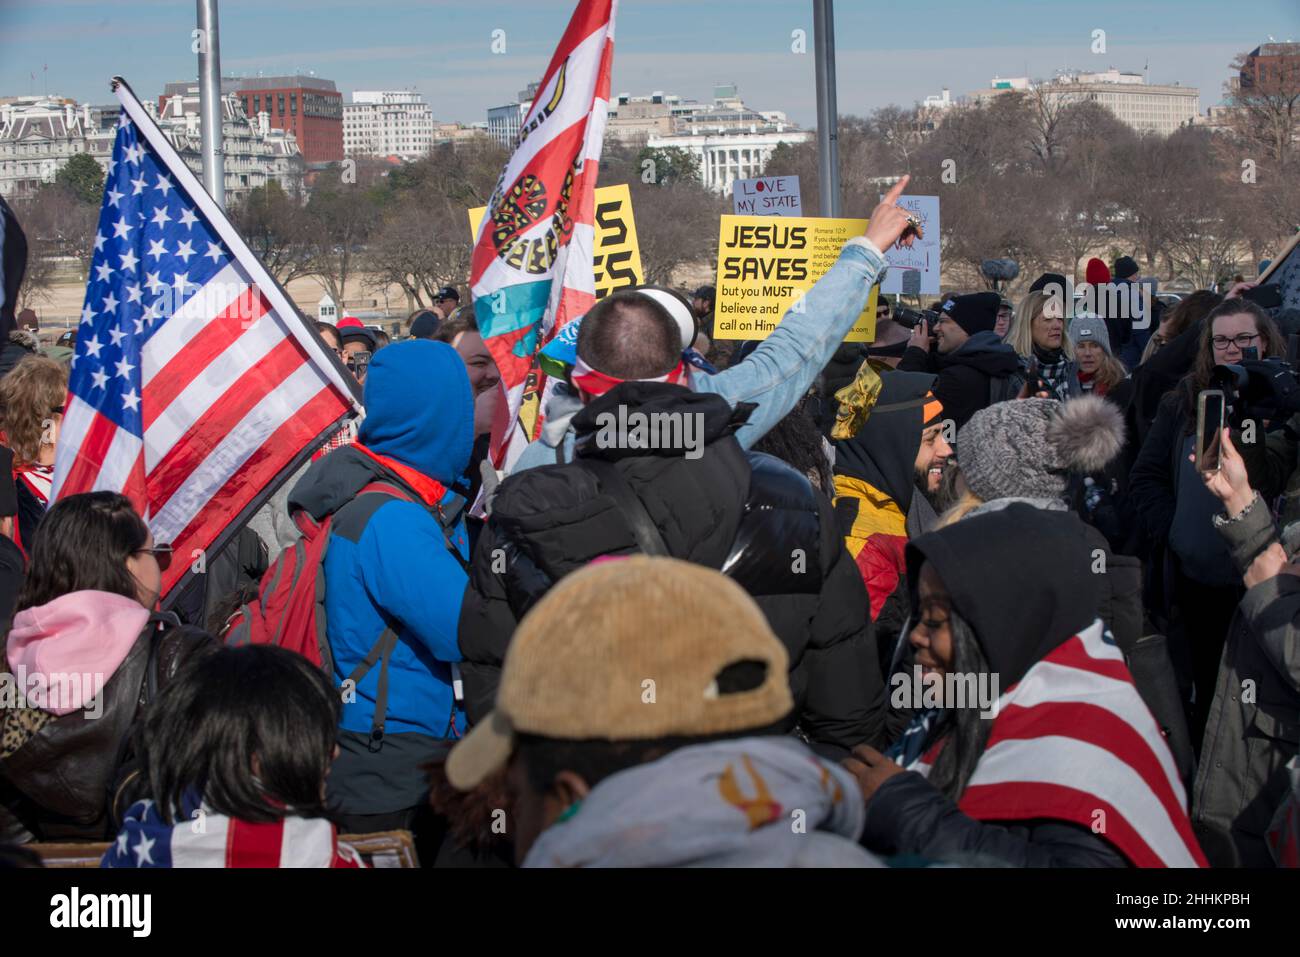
{"x": 971, "y": 361}
{"x": 1014, "y": 775}
{"x": 701, "y": 499}
{"x": 1194, "y": 586}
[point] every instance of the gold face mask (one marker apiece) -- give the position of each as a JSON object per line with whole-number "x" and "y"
{"x": 855, "y": 401}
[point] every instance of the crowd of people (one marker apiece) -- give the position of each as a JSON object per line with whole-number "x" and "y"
{"x": 960, "y": 596}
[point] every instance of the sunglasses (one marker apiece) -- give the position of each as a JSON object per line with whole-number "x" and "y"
{"x": 161, "y": 553}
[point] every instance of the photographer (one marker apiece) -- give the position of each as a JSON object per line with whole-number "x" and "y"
{"x": 1189, "y": 566}
{"x": 1254, "y": 720}
{"x": 968, "y": 357}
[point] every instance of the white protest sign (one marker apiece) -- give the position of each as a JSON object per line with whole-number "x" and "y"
{"x": 767, "y": 196}
{"x": 923, "y": 256}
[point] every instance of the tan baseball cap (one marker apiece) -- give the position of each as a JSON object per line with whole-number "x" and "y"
{"x": 629, "y": 649}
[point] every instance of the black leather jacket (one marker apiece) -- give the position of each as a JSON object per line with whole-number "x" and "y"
{"x": 65, "y": 778}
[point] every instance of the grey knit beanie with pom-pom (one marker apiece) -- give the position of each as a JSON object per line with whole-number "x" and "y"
{"x": 1027, "y": 448}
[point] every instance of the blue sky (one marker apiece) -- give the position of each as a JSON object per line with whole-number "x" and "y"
{"x": 888, "y": 52}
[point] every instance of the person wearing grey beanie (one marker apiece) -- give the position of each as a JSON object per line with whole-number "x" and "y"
{"x": 1098, "y": 369}
{"x": 1028, "y": 449}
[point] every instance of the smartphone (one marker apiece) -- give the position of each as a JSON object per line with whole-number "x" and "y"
{"x": 358, "y": 362}
{"x": 1210, "y": 412}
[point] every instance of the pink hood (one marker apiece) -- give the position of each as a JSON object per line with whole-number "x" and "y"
{"x": 74, "y": 644}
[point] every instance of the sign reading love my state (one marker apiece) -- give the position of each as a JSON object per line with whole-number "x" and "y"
{"x": 767, "y": 196}
{"x": 766, "y": 267}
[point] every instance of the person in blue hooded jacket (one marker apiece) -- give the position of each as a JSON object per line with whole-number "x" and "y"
{"x": 394, "y": 576}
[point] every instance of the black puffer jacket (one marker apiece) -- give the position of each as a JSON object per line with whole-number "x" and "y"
{"x": 752, "y": 516}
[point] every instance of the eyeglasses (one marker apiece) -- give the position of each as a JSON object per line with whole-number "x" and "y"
{"x": 161, "y": 553}
{"x": 1242, "y": 341}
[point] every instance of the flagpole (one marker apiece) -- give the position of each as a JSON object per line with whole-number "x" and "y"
{"x": 828, "y": 148}
{"x": 214, "y": 166}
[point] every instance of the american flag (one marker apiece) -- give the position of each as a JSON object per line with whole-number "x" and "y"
{"x": 1073, "y": 741}
{"x": 195, "y": 386}
{"x": 202, "y": 838}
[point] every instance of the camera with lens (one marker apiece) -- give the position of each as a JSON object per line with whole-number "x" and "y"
{"x": 1258, "y": 388}
{"x": 910, "y": 317}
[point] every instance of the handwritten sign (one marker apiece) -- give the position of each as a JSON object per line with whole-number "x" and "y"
{"x": 923, "y": 256}
{"x": 767, "y": 196}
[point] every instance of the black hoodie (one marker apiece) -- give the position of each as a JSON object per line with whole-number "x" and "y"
{"x": 964, "y": 374}
{"x": 883, "y": 452}
{"x": 1021, "y": 577}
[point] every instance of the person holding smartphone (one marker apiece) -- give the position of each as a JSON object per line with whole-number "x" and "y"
{"x": 1194, "y": 586}
{"x": 1241, "y": 781}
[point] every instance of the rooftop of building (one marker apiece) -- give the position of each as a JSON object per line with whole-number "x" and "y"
{"x": 241, "y": 84}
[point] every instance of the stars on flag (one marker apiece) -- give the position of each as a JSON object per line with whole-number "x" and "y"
{"x": 153, "y": 251}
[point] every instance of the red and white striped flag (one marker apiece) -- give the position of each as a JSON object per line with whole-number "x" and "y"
{"x": 1073, "y": 741}
{"x": 196, "y": 386}
{"x": 531, "y": 270}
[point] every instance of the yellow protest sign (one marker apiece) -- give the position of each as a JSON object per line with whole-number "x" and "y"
{"x": 766, "y": 264}
{"x": 616, "y": 256}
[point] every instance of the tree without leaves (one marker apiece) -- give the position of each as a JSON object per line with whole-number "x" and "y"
{"x": 275, "y": 227}
{"x": 1264, "y": 115}
{"x": 421, "y": 245}
{"x": 339, "y": 219}
{"x": 57, "y": 224}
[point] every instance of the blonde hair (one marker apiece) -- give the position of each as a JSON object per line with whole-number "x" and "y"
{"x": 967, "y": 503}
{"x": 1021, "y": 335}
{"x": 28, "y": 397}
{"x": 1111, "y": 371}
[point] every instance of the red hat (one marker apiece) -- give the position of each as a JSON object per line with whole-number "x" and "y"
{"x": 351, "y": 322}
{"x": 1096, "y": 272}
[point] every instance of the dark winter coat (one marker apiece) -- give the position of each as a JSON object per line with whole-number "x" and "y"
{"x": 964, "y": 374}
{"x": 1017, "y": 620}
{"x": 725, "y": 510}
{"x": 908, "y": 816}
{"x": 17, "y": 346}
{"x": 1253, "y": 728}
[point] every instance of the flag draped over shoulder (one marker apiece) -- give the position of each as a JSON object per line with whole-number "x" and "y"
{"x": 531, "y": 271}
{"x": 1073, "y": 741}
{"x": 196, "y": 386}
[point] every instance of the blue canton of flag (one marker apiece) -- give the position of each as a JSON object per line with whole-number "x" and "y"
{"x": 152, "y": 254}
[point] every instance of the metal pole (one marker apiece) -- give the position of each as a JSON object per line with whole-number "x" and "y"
{"x": 214, "y": 164}
{"x": 828, "y": 146}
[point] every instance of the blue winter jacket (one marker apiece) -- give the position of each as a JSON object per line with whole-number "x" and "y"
{"x": 419, "y": 412}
